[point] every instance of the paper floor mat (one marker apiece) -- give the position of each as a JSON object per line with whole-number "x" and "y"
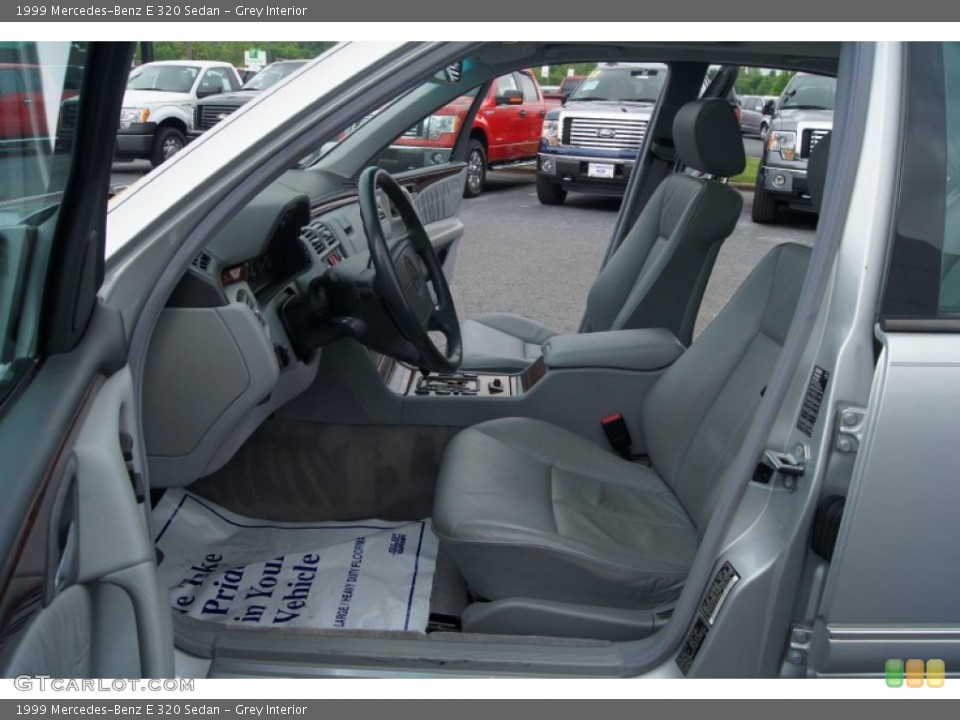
{"x": 225, "y": 568}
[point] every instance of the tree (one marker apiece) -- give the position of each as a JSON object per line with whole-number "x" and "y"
{"x": 232, "y": 52}
{"x": 754, "y": 81}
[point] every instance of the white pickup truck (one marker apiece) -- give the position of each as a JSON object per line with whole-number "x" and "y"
{"x": 159, "y": 104}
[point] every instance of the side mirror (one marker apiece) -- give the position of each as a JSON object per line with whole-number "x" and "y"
{"x": 768, "y": 107}
{"x": 207, "y": 92}
{"x": 566, "y": 96}
{"x": 510, "y": 97}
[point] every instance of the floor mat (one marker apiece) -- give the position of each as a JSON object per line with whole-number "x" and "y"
{"x": 222, "y": 567}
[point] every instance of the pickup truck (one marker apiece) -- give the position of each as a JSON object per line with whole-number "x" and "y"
{"x": 590, "y": 142}
{"x": 213, "y": 109}
{"x": 506, "y": 130}
{"x": 159, "y": 105}
{"x": 802, "y": 117}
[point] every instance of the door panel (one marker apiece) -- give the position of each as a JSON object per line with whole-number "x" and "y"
{"x": 506, "y": 125}
{"x": 437, "y": 194}
{"x": 78, "y": 588}
{"x": 534, "y": 112}
{"x": 88, "y": 600}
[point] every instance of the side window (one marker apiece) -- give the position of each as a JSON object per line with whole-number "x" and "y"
{"x": 39, "y": 105}
{"x": 506, "y": 82}
{"x": 923, "y": 273}
{"x": 529, "y": 88}
{"x": 431, "y": 140}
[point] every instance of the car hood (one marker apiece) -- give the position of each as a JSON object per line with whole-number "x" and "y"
{"x": 137, "y": 98}
{"x": 802, "y": 115}
{"x": 608, "y": 106}
{"x": 239, "y": 97}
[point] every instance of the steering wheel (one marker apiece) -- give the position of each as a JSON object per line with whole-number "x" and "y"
{"x": 405, "y": 268}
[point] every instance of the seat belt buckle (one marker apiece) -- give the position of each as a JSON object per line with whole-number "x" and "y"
{"x": 618, "y": 434}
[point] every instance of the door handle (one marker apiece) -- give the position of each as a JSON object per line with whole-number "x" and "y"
{"x": 523, "y": 113}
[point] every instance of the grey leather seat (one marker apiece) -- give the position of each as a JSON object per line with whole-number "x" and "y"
{"x": 657, "y": 276}
{"x": 527, "y": 509}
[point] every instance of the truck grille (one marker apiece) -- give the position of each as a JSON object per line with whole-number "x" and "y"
{"x": 608, "y": 133}
{"x": 809, "y": 141}
{"x": 209, "y": 115}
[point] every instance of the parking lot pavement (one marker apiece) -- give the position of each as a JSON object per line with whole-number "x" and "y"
{"x": 522, "y": 257}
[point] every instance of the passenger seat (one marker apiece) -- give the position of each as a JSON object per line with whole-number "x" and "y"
{"x": 657, "y": 276}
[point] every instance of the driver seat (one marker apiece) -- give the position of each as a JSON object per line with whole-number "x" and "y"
{"x": 657, "y": 276}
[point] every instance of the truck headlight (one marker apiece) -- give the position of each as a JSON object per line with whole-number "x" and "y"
{"x": 129, "y": 116}
{"x": 551, "y": 132}
{"x": 438, "y": 125}
{"x": 783, "y": 142}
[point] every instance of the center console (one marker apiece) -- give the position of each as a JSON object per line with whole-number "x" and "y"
{"x": 408, "y": 382}
{"x": 578, "y": 380}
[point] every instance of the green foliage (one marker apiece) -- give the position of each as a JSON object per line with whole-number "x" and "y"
{"x": 232, "y": 52}
{"x": 753, "y": 81}
{"x": 749, "y": 174}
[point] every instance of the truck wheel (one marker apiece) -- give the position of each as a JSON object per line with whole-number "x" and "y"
{"x": 166, "y": 143}
{"x": 476, "y": 169}
{"x": 549, "y": 193}
{"x": 764, "y": 205}
{"x": 764, "y": 129}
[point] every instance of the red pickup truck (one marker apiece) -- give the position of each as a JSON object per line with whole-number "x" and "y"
{"x": 506, "y": 129}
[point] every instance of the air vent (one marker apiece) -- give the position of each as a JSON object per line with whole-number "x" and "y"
{"x": 201, "y": 262}
{"x": 319, "y": 236}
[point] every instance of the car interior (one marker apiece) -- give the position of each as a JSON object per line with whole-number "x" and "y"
{"x": 293, "y": 377}
{"x": 310, "y": 371}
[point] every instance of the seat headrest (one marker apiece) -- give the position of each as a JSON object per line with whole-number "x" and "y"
{"x": 707, "y": 137}
{"x": 817, "y": 171}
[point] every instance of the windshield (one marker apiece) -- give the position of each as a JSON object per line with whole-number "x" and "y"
{"x": 622, "y": 84}
{"x": 810, "y": 92}
{"x": 271, "y": 75}
{"x": 164, "y": 78}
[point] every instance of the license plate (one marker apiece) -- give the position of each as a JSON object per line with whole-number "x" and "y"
{"x": 600, "y": 170}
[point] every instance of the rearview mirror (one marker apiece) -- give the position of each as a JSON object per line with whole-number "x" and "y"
{"x": 510, "y": 97}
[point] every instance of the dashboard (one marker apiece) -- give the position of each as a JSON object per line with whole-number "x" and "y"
{"x": 220, "y": 359}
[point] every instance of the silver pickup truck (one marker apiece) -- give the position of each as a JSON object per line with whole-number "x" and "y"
{"x": 802, "y": 117}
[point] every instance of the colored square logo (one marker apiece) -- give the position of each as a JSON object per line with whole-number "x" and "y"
{"x": 894, "y": 673}
{"x": 936, "y": 672}
{"x": 914, "y": 673}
